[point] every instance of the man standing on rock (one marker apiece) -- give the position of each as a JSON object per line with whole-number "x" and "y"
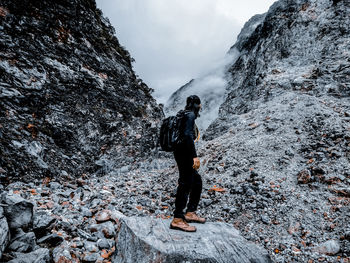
{"x": 190, "y": 183}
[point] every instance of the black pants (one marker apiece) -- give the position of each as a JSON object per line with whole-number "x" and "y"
{"x": 190, "y": 184}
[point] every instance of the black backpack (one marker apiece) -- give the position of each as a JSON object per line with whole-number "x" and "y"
{"x": 170, "y": 133}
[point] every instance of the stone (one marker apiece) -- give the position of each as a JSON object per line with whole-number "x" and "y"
{"x": 265, "y": 219}
{"x": 90, "y": 246}
{"x": 250, "y": 192}
{"x": 51, "y": 240}
{"x": 330, "y": 247}
{"x": 42, "y": 223}
{"x": 233, "y": 210}
{"x": 105, "y": 230}
{"x": 148, "y": 239}
{"x": 116, "y": 216}
{"x": 61, "y": 254}
{"x": 220, "y": 169}
{"x": 347, "y": 234}
{"x": 18, "y": 211}
{"x": 41, "y": 255}
{"x": 85, "y": 235}
{"x": 4, "y": 232}
{"x": 90, "y": 258}
{"x": 23, "y": 243}
{"x": 104, "y": 243}
{"x": 55, "y": 185}
{"x": 207, "y": 201}
{"x": 103, "y": 216}
{"x": 86, "y": 212}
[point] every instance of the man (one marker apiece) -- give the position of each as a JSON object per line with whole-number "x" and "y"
{"x": 190, "y": 183}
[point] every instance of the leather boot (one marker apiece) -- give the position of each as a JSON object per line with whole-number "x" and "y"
{"x": 180, "y": 224}
{"x": 191, "y": 217}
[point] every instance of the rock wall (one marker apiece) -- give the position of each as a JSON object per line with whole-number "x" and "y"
{"x": 70, "y": 102}
{"x": 280, "y": 149}
{"x": 300, "y": 47}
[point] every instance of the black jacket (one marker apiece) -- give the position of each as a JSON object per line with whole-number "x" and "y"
{"x": 188, "y": 133}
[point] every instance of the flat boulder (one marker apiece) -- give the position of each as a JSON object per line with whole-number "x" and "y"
{"x": 146, "y": 239}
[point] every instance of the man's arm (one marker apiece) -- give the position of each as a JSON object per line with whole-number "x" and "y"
{"x": 188, "y": 134}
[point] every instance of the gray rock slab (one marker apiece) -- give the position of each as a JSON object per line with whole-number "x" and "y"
{"x": 330, "y": 247}
{"x": 151, "y": 240}
{"x": 41, "y": 255}
{"x": 18, "y": 211}
{"x": 4, "y": 232}
{"x": 51, "y": 240}
{"x": 42, "y": 223}
{"x": 24, "y": 243}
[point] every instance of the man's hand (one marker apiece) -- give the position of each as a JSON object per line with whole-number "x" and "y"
{"x": 196, "y": 163}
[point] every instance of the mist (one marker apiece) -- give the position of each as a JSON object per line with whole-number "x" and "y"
{"x": 211, "y": 87}
{"x": 173, "y": 42}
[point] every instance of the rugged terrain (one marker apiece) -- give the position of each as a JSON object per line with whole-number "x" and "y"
{"x": 69, "y": 99}
{"x": 280, "y": 146}
{"x": 275, "y": 163}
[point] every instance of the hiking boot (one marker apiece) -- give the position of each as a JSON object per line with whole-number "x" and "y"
{"x": 191, "y": 217}
{"x": 180, "y": 224}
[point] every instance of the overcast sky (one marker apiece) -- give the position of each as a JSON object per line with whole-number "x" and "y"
{"x": 174, "y": 41}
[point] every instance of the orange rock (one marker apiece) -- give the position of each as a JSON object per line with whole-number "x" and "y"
{"x": 216, "y": 189}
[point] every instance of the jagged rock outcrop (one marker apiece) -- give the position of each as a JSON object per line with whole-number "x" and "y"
{"x": 281, "y": 143}
{"x": 212, "y": 87}
{"x": 151, "y": 240}
{"x": 4, "y": 232}
{"x": 299, "y": 47}
{"x": 70, "y": 102}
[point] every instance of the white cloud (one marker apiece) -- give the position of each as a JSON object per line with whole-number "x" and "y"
{"x": 175, "y": 41}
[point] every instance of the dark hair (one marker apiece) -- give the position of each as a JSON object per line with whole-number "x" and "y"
{"x": 192, "y": 104}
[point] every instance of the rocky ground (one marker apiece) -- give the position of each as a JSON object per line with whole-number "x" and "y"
{"x": 298, "y": 216}
{"x": 279, "y": 148}
{"x": 275, "y": 163}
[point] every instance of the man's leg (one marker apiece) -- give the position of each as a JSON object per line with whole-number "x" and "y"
{"x": 195, "y": 194}
{"x": 183, "y": 189}
{"x": 182, "y": 193}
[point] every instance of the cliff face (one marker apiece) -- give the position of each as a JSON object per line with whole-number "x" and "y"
{"x": 289, "y": 89}
{"x": 281, "y": 143}
{"x": 70, "y": 102}
{"x": 280, "y": 146}
{"x": 300, "y": 47}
